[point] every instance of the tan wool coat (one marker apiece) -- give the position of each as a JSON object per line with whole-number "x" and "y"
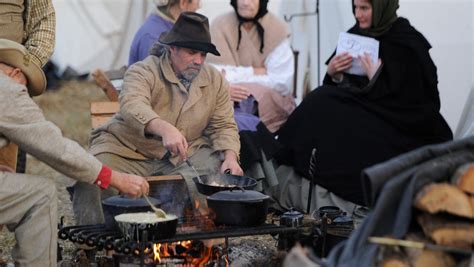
{"x": 204, "y": 114}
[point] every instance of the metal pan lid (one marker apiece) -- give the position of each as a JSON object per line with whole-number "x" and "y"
{"x": 238, "y": 194}
{"x": 125, "y": 202}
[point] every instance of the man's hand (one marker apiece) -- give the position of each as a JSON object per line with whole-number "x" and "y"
{"x": 230, "y": 163}
{"x": 369, "y": 67}
{"x": 338, "y": 64}
{"x": 129, "y": 184}
{"x": 238, "y": 93}
{"x": 4, "y": 168}
{"x": 259, "y": 71}
{"x": 173, "y": 140}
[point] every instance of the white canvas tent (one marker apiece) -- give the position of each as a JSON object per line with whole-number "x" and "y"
{"x": 97, "y": 34}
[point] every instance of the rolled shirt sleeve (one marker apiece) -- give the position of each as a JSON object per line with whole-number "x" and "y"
{"x": 40, "y": 30}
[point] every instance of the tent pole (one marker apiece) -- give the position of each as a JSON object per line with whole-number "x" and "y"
{"x": 318, "y": 42}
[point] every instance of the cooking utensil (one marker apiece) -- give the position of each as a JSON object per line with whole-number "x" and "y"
{"x": 159, "y": 212}
{"x": 209, "y": 185}
{"x": 415, "y": 244}
{"x": 119, "y": 204}
{"x": 133, "y": 226}
{"x": 239, "y": 207}
{"x": 194, "y": 169}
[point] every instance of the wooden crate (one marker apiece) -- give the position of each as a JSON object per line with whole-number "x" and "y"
{"x": 101, "y": 112}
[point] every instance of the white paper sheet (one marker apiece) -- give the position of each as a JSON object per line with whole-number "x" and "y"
{"x": 357, "y": 45}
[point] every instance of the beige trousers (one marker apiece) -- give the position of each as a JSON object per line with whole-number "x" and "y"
{"x": 88, "y": 198}
{"x": 28, "y": 207}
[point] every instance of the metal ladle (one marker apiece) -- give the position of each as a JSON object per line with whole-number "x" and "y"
{"x": 159, "y": 212}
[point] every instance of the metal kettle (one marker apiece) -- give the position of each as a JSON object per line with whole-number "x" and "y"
{"x": 292, "y": 218}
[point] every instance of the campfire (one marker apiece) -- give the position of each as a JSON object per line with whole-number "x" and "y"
{"x": 181, "y": 253}
{"x": 197, "y": 241}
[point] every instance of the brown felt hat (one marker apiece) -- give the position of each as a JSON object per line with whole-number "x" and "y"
{"x": 191, "y": 30}
{"x": 16, "y": 55}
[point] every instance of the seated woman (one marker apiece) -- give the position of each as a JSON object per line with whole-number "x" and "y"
{"x": 160, "y": 21}
{"x": 257, "y": 60}
{"x": 357, "y": 121}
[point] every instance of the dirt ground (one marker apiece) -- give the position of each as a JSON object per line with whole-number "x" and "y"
{"x": 68, "y": 107}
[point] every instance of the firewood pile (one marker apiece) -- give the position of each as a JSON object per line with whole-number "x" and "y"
{"x": 444, "y": 213}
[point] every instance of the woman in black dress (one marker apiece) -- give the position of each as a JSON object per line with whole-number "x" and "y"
{"x": 357, "y": 121}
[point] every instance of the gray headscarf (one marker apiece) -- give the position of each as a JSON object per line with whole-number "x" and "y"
{"x": 384, "y": 13}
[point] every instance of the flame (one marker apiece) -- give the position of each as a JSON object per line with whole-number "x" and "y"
{"x": 195, "y": 253}
{"x": 156, "y": 252}
{"x": 205, "y": 257}
{"x": 188, "y": 250}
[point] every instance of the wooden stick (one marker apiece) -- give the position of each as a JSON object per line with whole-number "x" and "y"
{"x": 414, "y": 244}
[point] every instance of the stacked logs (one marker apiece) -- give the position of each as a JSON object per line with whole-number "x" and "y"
{"x": 446, "y": 217}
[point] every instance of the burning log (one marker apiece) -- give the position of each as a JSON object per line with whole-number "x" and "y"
{"x": 439, "y": 197}
{"x": 443, "y": 231}
{"x": 464, "y": 178}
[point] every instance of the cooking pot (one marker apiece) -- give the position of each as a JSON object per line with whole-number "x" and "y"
{"x": 238, "y": 207}
{"x": 208, "y": 185}
{"x": 331, "y": 212}
{"x": 133, "y": 226}
{"x": 119, "y": 204}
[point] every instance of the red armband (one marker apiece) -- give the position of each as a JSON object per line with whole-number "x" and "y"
{"x": 104, "y": 177}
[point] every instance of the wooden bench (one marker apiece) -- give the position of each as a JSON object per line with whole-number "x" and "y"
{"x": 101, "y": 112}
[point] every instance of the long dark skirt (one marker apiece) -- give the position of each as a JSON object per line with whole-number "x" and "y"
{"x": 348, "y": 135}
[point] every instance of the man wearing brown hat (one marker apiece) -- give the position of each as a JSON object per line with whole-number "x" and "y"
{"x": 28, "y": 202}
{"x": 175, "y": 105}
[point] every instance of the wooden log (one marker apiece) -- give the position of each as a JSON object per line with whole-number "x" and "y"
{"x": 446, "y": 231}
{"x": 464, "y": 178}
{"x": 438, "y": 197}
{"x": 425, "y": 257}
{"x": 391, "y": 257}
{"x": 472, "y": 203}
{"x": 105, "y": 84}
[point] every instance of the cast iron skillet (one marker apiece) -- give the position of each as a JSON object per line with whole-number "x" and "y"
{"x": 227, "y": 181}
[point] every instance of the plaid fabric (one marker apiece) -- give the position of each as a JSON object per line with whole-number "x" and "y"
{"x": 40, "y": 29}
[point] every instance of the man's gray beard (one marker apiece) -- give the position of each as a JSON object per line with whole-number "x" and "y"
{"x": 187, "y": 77}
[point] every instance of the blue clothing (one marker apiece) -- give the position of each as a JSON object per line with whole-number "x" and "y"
{"x": 244, "y": 115}
{"x": 147, "y": 36}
